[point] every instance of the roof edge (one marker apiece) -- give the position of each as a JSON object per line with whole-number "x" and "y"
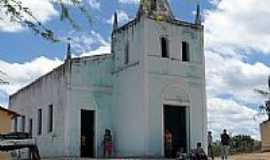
{"x": 9, "y": 111}
{"x": 91, "y": 57}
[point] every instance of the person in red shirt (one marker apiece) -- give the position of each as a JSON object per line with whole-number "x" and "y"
{"x": 168, "y": 143}
{"x": 108, "y": 143}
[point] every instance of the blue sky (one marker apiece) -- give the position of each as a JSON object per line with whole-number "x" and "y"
{"x": 23, "y": 51}
{"x": 237, "y": 51}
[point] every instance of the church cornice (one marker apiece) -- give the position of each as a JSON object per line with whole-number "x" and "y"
{"x": 170, "y": 21}
{"x": 91, "y": 58}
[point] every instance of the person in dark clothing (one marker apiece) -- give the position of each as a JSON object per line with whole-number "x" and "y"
{"x": 107, "y": 143}
{"x": 210, "y": 147}
{"x": 199, "y": 152}
{"x": 225, "y": 145}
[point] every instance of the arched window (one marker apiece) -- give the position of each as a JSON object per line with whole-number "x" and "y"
{"x": 164, "y": 47}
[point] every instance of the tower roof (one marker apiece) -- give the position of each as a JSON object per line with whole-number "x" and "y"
{"x": 68, "y": 54}
{"x": 198, "y": 19}
{"x": 158, "y": 9}
{"x": 115, "y": 21}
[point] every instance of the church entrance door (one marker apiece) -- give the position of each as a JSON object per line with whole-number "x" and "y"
{"x": 87, "y": 133}
{"x": 175, "y": 121}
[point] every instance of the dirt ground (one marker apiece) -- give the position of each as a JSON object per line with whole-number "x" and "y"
{"x": 254, "y": 156}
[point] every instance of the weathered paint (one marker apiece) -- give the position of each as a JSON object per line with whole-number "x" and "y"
{"x": 127, "y": 98}
{"x": 91, "y": 89}
{"x": 50, "y": 89}
{"x": 141, "y": 91}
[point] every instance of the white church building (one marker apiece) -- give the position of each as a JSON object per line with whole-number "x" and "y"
{"x": 153, "y": 80}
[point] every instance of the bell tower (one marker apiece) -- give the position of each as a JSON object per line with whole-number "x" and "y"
{"x": 159, "y": 82}
{"x": 158, "y": 9}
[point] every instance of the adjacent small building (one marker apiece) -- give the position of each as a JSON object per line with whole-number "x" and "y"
{"x": 153, "y": 80}
{"x": 6, "y": 117}
{"x": 265, "y": 132}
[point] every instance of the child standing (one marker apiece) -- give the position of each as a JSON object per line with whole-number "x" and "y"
{"x": 107, "y": 143}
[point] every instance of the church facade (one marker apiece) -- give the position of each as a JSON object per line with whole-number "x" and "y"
{"x": 153, "y": 80}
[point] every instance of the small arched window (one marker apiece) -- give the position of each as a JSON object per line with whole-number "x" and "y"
{"x": 164, "y": 47}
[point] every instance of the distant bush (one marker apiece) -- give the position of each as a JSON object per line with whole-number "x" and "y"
{"x": 244, "y": 144}
{"x": 239, "y": 144}
{"x": 216, "y": 148}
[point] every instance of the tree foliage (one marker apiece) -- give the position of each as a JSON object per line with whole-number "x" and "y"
{"x": 239, "y": 144}
{"x": 244, "y": 144}
{"x": 17, "y": 12}
{"x": 265, "y": 108}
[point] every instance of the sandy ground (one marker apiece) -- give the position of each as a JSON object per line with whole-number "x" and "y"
{"x": 255, "y": 156}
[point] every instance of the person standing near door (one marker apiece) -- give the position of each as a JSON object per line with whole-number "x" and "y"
{"x": 83, "y": 144}
{"x": 225, "y": 145}
{"x": 107, "y": 144}
{"x": 168, "y": 143}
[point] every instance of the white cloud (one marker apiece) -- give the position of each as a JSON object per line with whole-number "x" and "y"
{"x": 42, "y": 10}
{"x": 21, "y": 74}
{"x": 232, "y": 76}
{"x": 233, "y": 82}
{"x": 94, "y": 4}
{"x": 3, "y": 99}
{"x": 129, "y": 1}
{"x": 122, "y": 17}
{"x": 7, "y": 26}
{"x": 245, "y": 26}
{"x": 82, "y": 43}
{"x": 67, "y": 2}
{"x": 231, "y": 35}
{"x": 105, "y": 49}
{"x": 230, "y": 115}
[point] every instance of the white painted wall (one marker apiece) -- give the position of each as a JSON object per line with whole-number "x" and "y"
{"x": 187, "y": 79}
{"x": 127, "y": 98}
{"x": 50, "y": 89}
{"x": 128, "y": 94}
{"x": 90, "y": 89}
{"x": 139, "y": 91}
{"x": 82, "y": 83}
